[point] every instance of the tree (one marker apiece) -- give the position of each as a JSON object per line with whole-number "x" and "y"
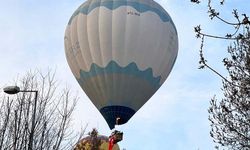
{"x": 230, "y": 116}
{"x": 53, "y": 115}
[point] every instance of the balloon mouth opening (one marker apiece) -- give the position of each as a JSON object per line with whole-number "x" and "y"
{"x": 116, "y": 115}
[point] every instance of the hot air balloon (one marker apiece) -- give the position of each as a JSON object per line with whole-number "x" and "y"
{"x": 120, "y": 52}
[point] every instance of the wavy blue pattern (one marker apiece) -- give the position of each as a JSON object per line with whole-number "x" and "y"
{"x": 88, "y": 6}
{"x": 113, "y": 67}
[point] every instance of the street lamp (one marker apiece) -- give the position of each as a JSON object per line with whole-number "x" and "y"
{"x": 15, "y": 90}
{"x": 11, "y": 89}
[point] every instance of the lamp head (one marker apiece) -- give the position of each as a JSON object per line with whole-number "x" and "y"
{"x": 11, "y": 89}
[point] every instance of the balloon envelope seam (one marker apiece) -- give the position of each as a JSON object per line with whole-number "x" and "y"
{"x": 112, "y": 5}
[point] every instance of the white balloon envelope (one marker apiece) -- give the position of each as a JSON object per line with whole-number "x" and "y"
{"x": 120, "y": 52}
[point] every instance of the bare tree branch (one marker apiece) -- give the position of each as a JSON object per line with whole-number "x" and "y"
{"x": 230, "y": 116}
{"x": 42, "y": 122}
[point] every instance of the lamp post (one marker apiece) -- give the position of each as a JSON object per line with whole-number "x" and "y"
{"x": 15, "y": 90}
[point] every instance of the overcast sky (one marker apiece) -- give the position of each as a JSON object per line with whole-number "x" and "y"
{"x": 175, "y": 118}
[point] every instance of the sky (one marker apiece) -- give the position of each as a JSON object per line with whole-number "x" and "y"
{"x": 175, "y": 118}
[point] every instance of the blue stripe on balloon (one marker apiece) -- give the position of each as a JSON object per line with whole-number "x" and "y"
{"x": 87, "y": 7}
{"x": 113, "y": 67}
